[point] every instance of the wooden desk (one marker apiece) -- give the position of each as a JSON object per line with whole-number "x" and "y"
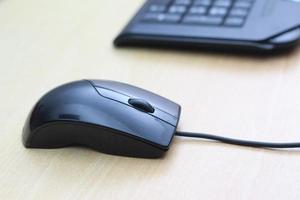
{"x": 45, "y": 43}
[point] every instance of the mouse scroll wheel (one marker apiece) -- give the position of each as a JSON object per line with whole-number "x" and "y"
{"x": 141, "y": 105}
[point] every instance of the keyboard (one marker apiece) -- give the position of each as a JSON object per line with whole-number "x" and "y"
{"x": 242, "y": 25}
{"x": 230, "y": 13}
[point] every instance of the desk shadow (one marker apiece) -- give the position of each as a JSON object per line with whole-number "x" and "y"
{"x": 227, "y": 61}
{"x": 212, "y": 51}
{"x": 71, "y": 161}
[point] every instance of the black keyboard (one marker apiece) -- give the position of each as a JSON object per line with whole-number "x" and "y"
{"x": 232, "y": 13}
{"x": 243, "y": 25}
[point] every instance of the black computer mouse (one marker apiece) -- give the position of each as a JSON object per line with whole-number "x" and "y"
{"x": 108, "y": 116}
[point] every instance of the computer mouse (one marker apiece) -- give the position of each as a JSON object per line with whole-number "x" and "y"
{"x": 108, "y": 116}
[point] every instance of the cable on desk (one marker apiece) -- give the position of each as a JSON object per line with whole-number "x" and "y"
{"x": 239, "y": 142}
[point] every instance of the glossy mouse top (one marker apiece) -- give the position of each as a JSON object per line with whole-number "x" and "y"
{"x": 108, "y": 116}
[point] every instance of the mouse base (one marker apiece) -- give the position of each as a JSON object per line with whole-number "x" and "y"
{"x": 65, "y": 134}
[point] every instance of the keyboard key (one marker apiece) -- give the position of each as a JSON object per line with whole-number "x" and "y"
{"x": 161, "y": 2}
{"x": 234, "y": 21}
{"x": 218, "y": 11}
{"x": 223, "y": 3}
{"x": 203, "y": 2}
{"x": 242, "y": 4}
{"x": 205, "y": 20}
{"x": 198, "y": 10}
{"x": 183, "y": 2}
{"x": 239, "y": 12}
{"x": 160, "y": 17}
{"x": 177, "y": 9}
{"x": 157, "y": 8}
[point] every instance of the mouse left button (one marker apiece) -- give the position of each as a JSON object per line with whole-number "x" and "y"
{"x": 110, "y": 94}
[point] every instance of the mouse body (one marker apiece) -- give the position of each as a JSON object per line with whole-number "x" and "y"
{"x": 108, "y": 116}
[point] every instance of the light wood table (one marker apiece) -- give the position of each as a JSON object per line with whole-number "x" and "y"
{"x": 44, "y": 43}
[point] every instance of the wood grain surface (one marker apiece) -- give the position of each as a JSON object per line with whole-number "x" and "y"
{"x": 44, "y": 43}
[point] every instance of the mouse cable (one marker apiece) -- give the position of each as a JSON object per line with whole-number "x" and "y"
{"x": 239, "y": 142}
